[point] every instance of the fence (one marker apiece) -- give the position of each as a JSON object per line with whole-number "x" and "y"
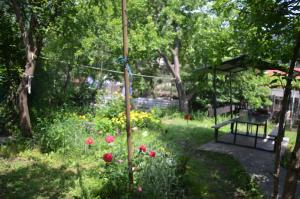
{"x": 148, "y": 103}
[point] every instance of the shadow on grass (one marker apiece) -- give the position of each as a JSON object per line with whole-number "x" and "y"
{"x": 35, "y": 181}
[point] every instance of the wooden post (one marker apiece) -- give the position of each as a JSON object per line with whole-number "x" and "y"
{"x": 230, "y": 93}
{"x": 127, "y": 94}
{"x": 215, "y": 96}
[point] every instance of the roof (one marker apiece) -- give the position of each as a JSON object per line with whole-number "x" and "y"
{"x": 273, "y": 72}
{"x": 244, "y": 62}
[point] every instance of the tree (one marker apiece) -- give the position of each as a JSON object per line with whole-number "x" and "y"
{"x": 32, "y": 17}
{"x": 10, "y": 66}
{"x": 264, "y": 29}
{"x": 186, "y": 34}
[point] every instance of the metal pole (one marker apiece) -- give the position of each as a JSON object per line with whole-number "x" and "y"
{"x": 215, "y": 96}
{"x": 127, "y": 94}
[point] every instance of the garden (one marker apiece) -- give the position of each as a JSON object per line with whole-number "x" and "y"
{"x": 82, "y": 155}
{"x": 149, "y": 99}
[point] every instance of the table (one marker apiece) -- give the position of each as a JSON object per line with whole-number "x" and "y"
{"x": 251, "y": 119}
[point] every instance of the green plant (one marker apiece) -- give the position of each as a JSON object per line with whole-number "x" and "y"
{"x": 138, "y": 119}
{"x": 110, "y": 107}
{"x": 66, "y": 132}
{"x": 104, "y": 125}
{"x": 160, "y": 177}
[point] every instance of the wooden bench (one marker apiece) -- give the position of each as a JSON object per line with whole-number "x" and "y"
{"x": 219, "y": 125}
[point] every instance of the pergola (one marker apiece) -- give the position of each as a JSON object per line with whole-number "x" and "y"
{"x": 230, "y": 67}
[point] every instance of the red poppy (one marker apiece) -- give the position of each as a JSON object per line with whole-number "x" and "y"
{"x": 187, "y": 117}
{"x": 107, "y": 157}
{"x": 143, "y": 148}
{"x": 89, "y": 141}
{"x": 152, "y": 154}
{"x": 110, "y": 139}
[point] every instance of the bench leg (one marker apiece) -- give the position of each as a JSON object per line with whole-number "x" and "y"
{"x": 235, "y": 132}
{"x": 265, "y": 129}
{"x": 274, "y": 149}
{"x": 216, "y": 134}
{"x": 256, "y": 134}
{"x": 247, "y": 132}
{"x": 232, "y": 127}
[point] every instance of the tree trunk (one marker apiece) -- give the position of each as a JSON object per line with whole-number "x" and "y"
{"x": 284, "y": 107}
{"x": 291, "y": 178}
{"x": 23, "y": 109}
{"x": 175, "y": 71}
{"x": 183, "y": 103}
{"x": 32, "y": 47}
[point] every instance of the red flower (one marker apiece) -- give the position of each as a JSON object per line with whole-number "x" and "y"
{"x": 110, "y": 139}
{"x": 143, "y": 148}
{"x": 152, "y": 154}
{"x": 187, "y": 117}
{"x": 107, "y": 157}
{"x": 89, "y": 141}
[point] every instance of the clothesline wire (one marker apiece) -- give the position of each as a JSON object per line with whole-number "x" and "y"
{"x": 113, "y": 71}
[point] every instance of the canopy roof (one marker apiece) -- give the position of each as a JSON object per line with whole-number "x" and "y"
{"x": 244, "y": 62}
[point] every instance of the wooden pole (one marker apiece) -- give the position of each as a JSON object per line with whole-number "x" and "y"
{"x": 215, "y": 96}
{"x": 230, "y": 93}
{"x": 127, "y": 94}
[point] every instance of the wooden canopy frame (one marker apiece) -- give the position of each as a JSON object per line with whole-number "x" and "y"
{"x": 235, "y": 65}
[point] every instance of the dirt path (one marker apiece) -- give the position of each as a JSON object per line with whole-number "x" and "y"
{"x": 259, "y": 164}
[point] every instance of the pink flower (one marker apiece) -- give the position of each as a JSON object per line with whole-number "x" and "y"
{"x": 152, "y": 154}
{"x": 139, "y": 189}
{"x": 89, "y": 141}
{"x": 110, "y": 139}
{"x": 107, "y": 157}
{"x": 143, "y": 148}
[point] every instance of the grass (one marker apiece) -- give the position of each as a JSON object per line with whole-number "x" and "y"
{"x": 208, "y": 174}
{"x": 29, "y": 173}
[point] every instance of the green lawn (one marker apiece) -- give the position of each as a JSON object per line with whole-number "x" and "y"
{"x": 31, "y": 174}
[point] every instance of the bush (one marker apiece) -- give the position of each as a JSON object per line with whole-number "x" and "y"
{"x": 66, "y": 132}
{"x": 155, "y": 176}
{"x": 9, "y": 120}
{"x": 104, "y": 125}
{"x": 138, "y": 119}
{"x": 110, "y": 108}
{"x": 159, "y": 177}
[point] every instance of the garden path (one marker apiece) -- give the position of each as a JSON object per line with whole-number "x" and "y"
{"x": 259, "y": 164}
{"x": 3, "y": 139}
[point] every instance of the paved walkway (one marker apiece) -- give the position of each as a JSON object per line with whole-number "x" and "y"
{"x": 259, "y": 164}
{"x": 3, "y": 139}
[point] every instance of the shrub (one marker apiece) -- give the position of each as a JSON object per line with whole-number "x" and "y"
{"x": 110, "y": 107}
{"x": 65, "y": 132}
{"x": 155, "y": 172}
{"x": 138, "y": 119}
{"x": 104, "y": 125}
{"x": 159, "y": 177}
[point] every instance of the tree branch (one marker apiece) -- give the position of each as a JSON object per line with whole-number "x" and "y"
{"x": 168, "y": 64}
